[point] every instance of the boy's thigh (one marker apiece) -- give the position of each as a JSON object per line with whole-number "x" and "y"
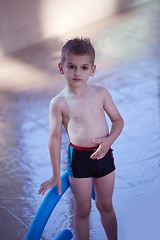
{"x": 104, "y": 187}
{"x": 81, "y": 189}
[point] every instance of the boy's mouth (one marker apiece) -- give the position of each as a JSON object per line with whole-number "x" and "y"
{"x": 77, "y": 79}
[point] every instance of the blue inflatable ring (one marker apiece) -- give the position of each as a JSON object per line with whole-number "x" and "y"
{"x": 47, "y": 208}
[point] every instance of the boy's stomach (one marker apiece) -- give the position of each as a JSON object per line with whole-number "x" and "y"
{"x": 83, "y": 136}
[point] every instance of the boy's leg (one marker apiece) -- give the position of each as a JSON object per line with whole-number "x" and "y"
{"x": 82, "y": 191}
{"x": 104, "y": 190}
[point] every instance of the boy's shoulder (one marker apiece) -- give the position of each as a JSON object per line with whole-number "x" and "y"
{"x": 58, "y": 101}
{"x": 100, "y": 89}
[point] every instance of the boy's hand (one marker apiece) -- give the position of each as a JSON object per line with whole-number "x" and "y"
{"x": 53, "y": 181}
{"x": 104, "y": 146}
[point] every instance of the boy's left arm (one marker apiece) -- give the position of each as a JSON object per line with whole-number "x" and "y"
{"x": 117, "y": 126}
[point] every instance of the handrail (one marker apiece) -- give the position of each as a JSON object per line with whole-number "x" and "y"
{"x": 46, "y": 208}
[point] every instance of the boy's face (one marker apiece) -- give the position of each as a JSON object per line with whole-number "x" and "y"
{"x": 77, "y": 69}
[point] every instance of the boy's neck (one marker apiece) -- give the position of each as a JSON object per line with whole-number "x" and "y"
{"x": 77, "y": 90}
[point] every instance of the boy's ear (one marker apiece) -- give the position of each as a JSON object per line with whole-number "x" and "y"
{"x": 60, "y": 68}
{"x": 93, "y": 70}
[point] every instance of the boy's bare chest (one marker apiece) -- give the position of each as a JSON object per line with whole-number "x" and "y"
{"x": 81, "y": 109}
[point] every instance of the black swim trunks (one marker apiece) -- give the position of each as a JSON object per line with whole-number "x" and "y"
{"x": 80, "y": 165}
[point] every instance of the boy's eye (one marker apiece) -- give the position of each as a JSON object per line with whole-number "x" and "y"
{"x": 70, "y": 66}
{"x": 84, "y": 68}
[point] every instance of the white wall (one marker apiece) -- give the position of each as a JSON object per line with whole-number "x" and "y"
{"x": 24, "y": 22}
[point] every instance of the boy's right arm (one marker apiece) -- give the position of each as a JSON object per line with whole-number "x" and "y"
{"x": 55, "y": 119}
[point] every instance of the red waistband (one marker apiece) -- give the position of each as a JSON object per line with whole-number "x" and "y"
{"x": 87, "y": 149}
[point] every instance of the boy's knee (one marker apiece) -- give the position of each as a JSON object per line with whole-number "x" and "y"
{"x": 84, "y": 211}
{"x": 104, "y": 206}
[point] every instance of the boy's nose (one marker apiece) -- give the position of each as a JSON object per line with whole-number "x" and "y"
{"x": 77, "y": 72}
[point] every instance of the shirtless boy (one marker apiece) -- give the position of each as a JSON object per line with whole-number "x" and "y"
{"x": 81, "y": 108}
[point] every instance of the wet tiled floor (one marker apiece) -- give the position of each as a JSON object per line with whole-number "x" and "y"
{"x": 128, "y": 64}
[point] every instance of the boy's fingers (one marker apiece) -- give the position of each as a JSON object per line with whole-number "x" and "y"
{"x": 41, "y": 190}
{"x": 43, "y": 184}
{"x": 59, "y": 188}
{"x": 95, "y": 154}
{"x": 98, "y": 154}
{"x": 46, "y": 188}
{"x": 46, "y": 185}
{"x": 44, "y": 191}
{"x": 98, "y": 140}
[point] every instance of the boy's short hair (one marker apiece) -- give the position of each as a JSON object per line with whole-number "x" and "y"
{"x": 78, "y": 46}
